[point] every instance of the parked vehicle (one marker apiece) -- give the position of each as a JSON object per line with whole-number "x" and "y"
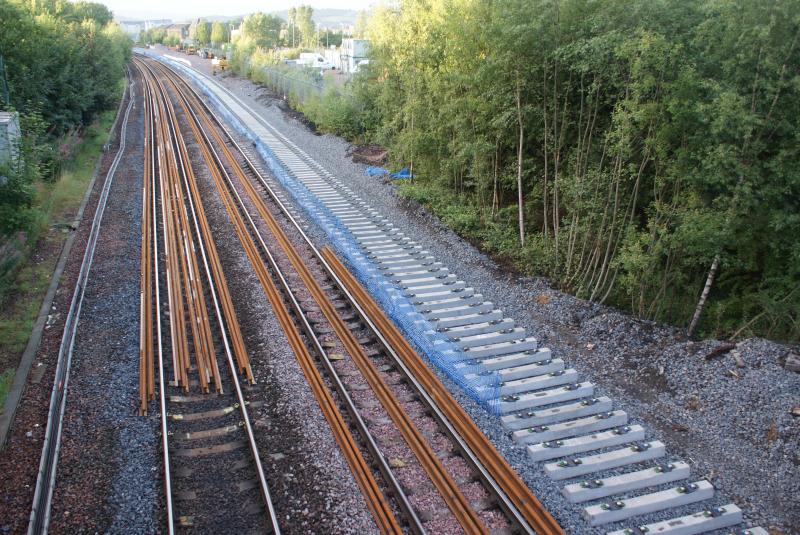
{"x": 314, "y": 60}
{"x": 220, "y": 63}
{"x": 360, "y": 64}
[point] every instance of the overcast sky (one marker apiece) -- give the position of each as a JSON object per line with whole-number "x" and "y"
{"x": 185, "y": 9}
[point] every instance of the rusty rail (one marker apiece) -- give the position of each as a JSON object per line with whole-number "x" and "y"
{"x": 189, "y": 253}
{"x": 377, "y": 502}
{"x": 515, "y": 497}
{"x": 534, "y": 513}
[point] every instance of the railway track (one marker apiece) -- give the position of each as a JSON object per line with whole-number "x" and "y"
{"x": 213, "y": 476}
{"x": 610, "y": 472}
{"x": 48, "y": 464}
{"x": 373, "y": 387}
{"x": 300, "y": 276}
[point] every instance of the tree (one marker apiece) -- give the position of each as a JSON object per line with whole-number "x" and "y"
{"x": 97, "y": 12}
{"x": 305, "y": 25}
{"x": 641, "y": 153}
{"x": 202, "y": 33}
{"x": 362, "y": 22}
{"x": 292, "y": 25}
{"x": 48, "y": 48}
{"x": 264, "y": 30}
{"x": 643, "y": 150}
{"x": 219, "y": 33}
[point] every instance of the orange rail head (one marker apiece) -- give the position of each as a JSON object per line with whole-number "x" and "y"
{"x": 145, "y": 287}
{"x": 519, "y": 493}
{"x": 447, "y": 487}
{"x": 375, "y": 499}
{"x": 231, "y": 321}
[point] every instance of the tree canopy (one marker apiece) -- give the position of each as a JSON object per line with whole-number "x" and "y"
{"x": 638, "y": 148}
{"x": 302, "y": 29}
{"x": 202, "y": 33}
{"x": 63, "y": 64}
{"x": 219, "y": 33}
{"x": 262, "y": 29}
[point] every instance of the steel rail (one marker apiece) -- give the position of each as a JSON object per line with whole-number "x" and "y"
{"x": 208, "y": 251}
{"x": 444, "y": 483}
{"x": 45, "y": 480}
{"x": 533, "y": 513}
{"x": 201, "y": 226}
{"x": 152, "y": 150}
{"x": 514, "y": 497}
{"x": 441, "y": 479}
{"x": 375, "y": 498}
{"x": 214, "y": 271}
{"x": 146, "y": 388}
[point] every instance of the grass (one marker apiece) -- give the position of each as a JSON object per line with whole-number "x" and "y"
{"x": 5, "y": 382}
{"x": 56, "y": 205}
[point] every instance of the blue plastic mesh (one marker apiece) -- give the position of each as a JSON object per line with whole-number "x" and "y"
{"x": 475, "y": 379}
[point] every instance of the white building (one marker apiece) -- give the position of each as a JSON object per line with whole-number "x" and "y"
{"x": 9, "y": 136}
{"x": 134, "y": 27}
{"x": 353, "y": 52}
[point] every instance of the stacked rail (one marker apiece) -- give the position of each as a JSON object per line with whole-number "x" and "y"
{"x": 197, "y": 326}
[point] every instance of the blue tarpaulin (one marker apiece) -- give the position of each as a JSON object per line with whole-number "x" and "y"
{"x": 380, "y": 171}
{"x": 402, "y": 173}
{"x": 376, "y": 171}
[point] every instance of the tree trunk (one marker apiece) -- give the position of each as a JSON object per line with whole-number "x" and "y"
{"x": 704, "y": 296}
{"x": 520, "y": 199}
{"x": 411, "y": 166}
{"x": 495, "y": 197}
{"x": 544, "y": 150}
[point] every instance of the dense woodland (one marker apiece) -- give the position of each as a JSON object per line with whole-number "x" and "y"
{"x": 636, "y": 152}
{"x": 63, "y": 63}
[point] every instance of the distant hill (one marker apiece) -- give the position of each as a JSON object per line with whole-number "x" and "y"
{"x": 327, "y": 18}
{"x": 222, "y": 18}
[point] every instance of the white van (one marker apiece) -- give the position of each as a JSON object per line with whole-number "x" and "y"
{"x": 314, "y": 60}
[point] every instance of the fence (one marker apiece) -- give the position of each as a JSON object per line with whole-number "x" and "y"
{"x": 293, "y": 82}
{"x": 298, "y": 85}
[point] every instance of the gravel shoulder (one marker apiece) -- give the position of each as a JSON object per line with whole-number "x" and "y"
{"x": 109, "y": 454}
{"x": 729, "y": 416}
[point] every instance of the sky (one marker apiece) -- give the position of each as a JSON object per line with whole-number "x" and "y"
{"x": 186, "y": 9}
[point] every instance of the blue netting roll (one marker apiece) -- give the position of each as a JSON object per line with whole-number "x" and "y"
{"x": 476, "y": 380}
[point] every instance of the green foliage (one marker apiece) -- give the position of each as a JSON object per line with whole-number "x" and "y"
{"x": 261, "y": 29}
{"x": 656, "y": 135}
{"x": 202, "y": 33}
{"x": 153, "y": 36}
{"x": 94, "y": 11}
{"x": 47, "y": 60}
{"x": 219, "y": 33}
{"x": 6, "y": 380}
{"x": 302, "y": 30}
{"x": 64, "y": 62}
{"x": 334, "y": 111}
